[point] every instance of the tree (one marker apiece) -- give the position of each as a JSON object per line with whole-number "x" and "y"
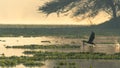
{"x": 86, "y": 8}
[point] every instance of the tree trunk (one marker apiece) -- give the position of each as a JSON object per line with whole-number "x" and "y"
{"x": 114, "y": 11}
{"x": 113, "y": 7}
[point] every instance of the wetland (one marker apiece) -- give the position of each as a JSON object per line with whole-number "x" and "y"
{"x": 58, "y": 47}
{"x": 57, "y": 53}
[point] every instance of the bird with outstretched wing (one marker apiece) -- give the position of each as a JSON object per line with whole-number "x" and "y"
{"x": 91, "y": 39}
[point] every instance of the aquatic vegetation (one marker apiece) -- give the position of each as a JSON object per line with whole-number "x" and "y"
{"x": 32, "y": 64}
{"x": 44, "y": 46}
{"x": 72, "y": 55}
{"x": 8, "y": 62}
{"x": 39, "y": 56}
{"x": 62, "y": 63}
{"x": 65, "y": 64}
{"x": 14, "y": 60}
{"x": 91, "y": 66}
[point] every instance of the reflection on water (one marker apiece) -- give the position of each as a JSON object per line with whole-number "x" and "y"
{"x": 10, "y": 52}
{"x": 78, "y": 63}
{"x": 37, "y": 40}
{"x": 104, "y": 48}
{"x": 11, "y": 41}
{"x": 22, "y": 66}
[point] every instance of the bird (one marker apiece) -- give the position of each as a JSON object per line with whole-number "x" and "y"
{"x": 91, "y": 39}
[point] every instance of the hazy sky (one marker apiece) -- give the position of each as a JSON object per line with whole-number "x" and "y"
{"x": 26, "y": 12}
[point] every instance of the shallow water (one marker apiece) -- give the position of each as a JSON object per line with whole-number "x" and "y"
{"x": 81, "y": 63}
{"x": 78, "y": 63}
{"x": 100, "y": 47}
{"x": 16, "y": 41}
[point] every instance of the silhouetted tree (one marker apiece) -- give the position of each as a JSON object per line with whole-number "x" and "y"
{"x": 81, "y": 7}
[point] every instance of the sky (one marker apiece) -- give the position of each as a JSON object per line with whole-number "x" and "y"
{"x": 26, "y": 12}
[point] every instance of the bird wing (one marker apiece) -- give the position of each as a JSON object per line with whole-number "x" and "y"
{"x": 92, "y": 37}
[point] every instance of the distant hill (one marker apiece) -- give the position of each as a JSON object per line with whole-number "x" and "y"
{"x": 37, "y": 26}
{"x": 109, "y": 28}
{"x": 111, "y": 24}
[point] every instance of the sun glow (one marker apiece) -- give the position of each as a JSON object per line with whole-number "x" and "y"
{"x": 26, "y": 12}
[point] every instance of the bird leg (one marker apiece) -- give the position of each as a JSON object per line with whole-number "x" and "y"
{"x": 84, "y": 44}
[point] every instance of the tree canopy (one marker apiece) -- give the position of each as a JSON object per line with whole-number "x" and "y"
{"x": 81, "y": 7}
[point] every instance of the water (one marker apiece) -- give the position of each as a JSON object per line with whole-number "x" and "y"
{"x": 100, "y": 47}
{"x": 82, "y": 63}
{"x": 16, "y": 41}
{"x": 78, "y": 63}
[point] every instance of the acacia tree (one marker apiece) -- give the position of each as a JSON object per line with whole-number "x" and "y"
{"x": 81, "y": 7}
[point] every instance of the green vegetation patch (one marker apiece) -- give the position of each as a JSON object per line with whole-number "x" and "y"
{"x": 8, "y": 62}
{"x": 72, "y": 55}
{"x": 39, "y": 56}
{"x": 25, "y": 60}
{"x": 44, "y": 46}
{"x": 32, "y": 64}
